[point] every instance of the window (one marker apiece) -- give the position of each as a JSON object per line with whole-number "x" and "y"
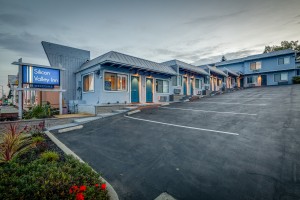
{"x": 252, "y": 79}
{"x": 298, "y": 72}
{"x": 197, "y": 84}
{"x": 115, "y": 82}
{"x": 88, "y": 82}
{"x": 280, "y": 77}
{"x": 205, "y": 79}
{"x": 283, "y": 60}
{"x": 180, "y": 80}
{"x": 162, "y": 86}
{"x": 255, "y": 66}
{"x": 276, "y": 77}
{"x": 174, "y": 80}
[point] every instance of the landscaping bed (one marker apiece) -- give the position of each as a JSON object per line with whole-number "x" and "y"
{"x": 43, "y": 171}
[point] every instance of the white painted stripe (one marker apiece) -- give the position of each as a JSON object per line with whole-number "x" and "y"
{"x": 256, "y": 98}
{"x": 196, "y": 110}
{"x": 188, "y": 127}
{"x": 244, "y": 104}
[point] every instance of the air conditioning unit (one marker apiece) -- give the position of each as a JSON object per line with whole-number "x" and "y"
{"x": 162, "y": 98}
{"x": 177, "y": 91}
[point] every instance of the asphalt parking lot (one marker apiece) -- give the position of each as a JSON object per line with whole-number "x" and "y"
{"x": 240, "y": 145}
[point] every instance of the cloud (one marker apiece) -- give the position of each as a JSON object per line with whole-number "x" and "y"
{"x": 213, "y": 17}
{"x": 14, "y": 20}
{"x": 229, "y": 56}
{"x": 24, "y": 43}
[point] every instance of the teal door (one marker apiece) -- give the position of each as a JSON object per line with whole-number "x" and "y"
{"x": 135, "y": 95}
{"x": 149, "y": 90}
{"x": 192, "y": 86}
{"x": 184, "y": 85}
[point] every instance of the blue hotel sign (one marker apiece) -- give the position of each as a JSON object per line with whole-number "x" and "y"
{"x": 40, "y": 77}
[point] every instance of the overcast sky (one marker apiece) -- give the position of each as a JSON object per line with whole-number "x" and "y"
{"x": 198, "y": 31}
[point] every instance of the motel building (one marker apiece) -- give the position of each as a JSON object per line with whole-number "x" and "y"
{"x": 217, "y": 78}
{"x": 233, "y": 78}
{"x": 275, "y": 68}
{"x": 189, "y": 80}
{"x": 116, "y": 79}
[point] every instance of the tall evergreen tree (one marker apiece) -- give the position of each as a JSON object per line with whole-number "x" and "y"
{"x": 223, "y": 58}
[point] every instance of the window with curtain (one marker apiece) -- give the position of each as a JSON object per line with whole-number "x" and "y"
{"x": 280, "y": 77}
{"x": 174, "y": 80}
{"x": 88, "y": 82}
{"x": 115, "y": 82}
{"x": 255, "y": 65}
{"x": 197, "y": 83}
{"x": 283, "y": 60}
{"x": 162, "y": 86}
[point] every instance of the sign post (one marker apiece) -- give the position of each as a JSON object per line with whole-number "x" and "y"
{"x": 20, "y": 86}
{"x": 38, "y": 78}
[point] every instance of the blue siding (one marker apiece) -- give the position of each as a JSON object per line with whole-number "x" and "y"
{"x": 271, "y": 64}
{"x": 269, "y": 67}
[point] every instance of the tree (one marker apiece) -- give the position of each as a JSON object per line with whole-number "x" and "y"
{"x": 284, "y": 45}
{"x": 223, "y": 58}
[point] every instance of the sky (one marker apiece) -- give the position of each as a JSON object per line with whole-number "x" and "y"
{"x": 194, "y": 31}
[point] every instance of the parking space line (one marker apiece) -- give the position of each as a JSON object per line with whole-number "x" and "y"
{"x": 256, "y": 98}
{"x": 244, "y": 104}
{"x": 188, "y": 127}
{"x": 196, "y": 110}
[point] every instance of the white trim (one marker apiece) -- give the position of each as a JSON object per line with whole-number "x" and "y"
{"x": 168, "y": 86}
{"x": 289, "y": 57}
{"x": 90, "y": 91}
{"x": 114, "y": 91}
{"x": 146, "y": 89}
{"x": 140, "y": 88}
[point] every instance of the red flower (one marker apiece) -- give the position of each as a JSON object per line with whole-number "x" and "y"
{"x": 103, "y": 186}
{"x": 82, "y": 188}
{"x": 97, "y": 185}
{"x": 73, "y": 189}
{"x": 79, "y": 196}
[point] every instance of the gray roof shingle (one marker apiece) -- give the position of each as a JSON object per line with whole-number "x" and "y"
{"x": 216, "y": 70}
{"x": 186, "y": 66}
{"x": 123, "y": 59}
{"x": 255, "y": 57}
{"x": 230, "y": 71}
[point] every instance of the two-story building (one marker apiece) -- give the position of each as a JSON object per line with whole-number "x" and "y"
{"x": 275, "y": 68}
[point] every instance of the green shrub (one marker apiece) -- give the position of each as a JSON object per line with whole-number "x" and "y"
{"x": 38, "y": 139}
{"x": 296, "y": 79}
{"x": 13, "y": 143}
{"x": 40, "y": 180}
{"x": 39, "y": 112}
{"x": 50, "y": 156}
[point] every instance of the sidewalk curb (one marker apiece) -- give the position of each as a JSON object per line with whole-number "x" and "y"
{"x": 132, "y": 112}
{"x": 111, "y": 192}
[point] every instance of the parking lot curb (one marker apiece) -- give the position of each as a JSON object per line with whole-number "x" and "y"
{"x": 133, "y": 112}
{"x": 111, "y": 192}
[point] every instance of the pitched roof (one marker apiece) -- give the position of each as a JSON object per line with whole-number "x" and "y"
{"x": 216, "y": 70}
{"x": 230, "y": 72}
{"x": 255, "y": 57}
{"x": 127, "y": 60}
{"x": 186, "y": 66}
